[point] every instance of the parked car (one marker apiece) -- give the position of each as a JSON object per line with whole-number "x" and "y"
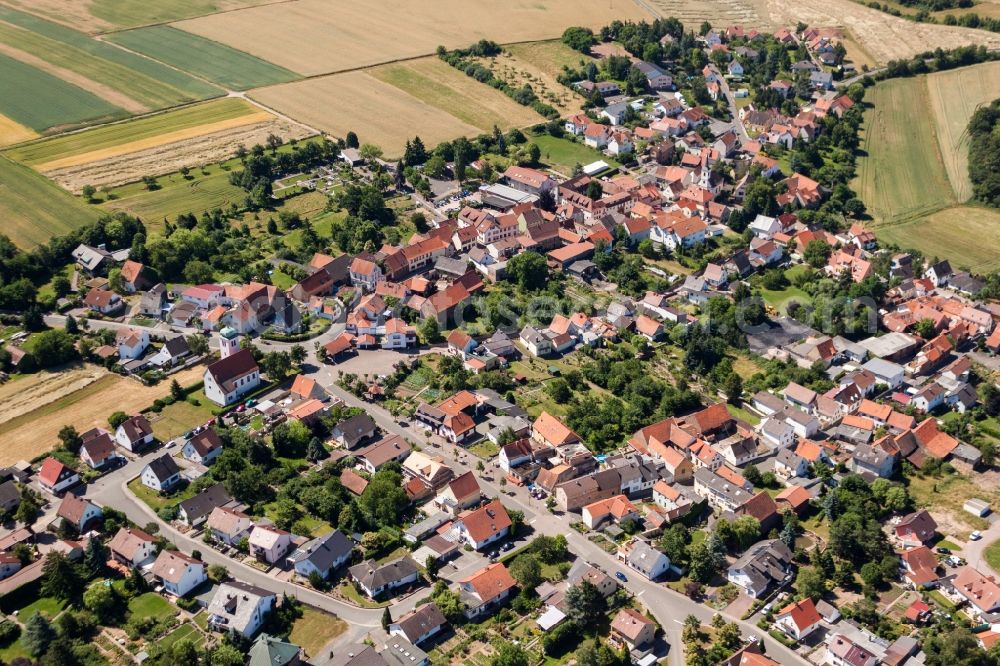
{"x": 507, "y": 547}
{"x": 944, "y": 551}
{"x": 620, "y": 576}
{"x": 976, "y": 536}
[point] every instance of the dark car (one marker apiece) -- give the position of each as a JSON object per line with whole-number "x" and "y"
{"x": 494, "y": 554}
{"x": 620, "y": 576}
{"x": 944, "y": 551}
{"x": 507, "y": 546}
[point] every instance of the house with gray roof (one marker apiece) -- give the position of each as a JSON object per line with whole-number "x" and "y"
{"x": 240, "y": 607}
{"x": 375, "y": 579}
{"x": 322, "y": 555}
{"x": 269, "y": 650}
{"x": 766, "y": 563}
{"x": 640, "y": 556}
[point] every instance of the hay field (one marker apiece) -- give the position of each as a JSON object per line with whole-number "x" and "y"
{"x": 968, "y": 236}
{"x": 954, "y": 96}
{"x": 317, "y": 36}
{"x": 33, "y": 209}
{"x": 177, "y": 196}
{"x": 902, "y": 176}
{"x": 884, "y": 36}
{"x": 46, "y": 402}
{"x": 103, "y": 15}
{"x": 12, "y": 132}
{"x": 124, "y": 79}
{"x": 235, "y": 70}
{"x": 380, "y": 113}
{"x": 434, "y": 82}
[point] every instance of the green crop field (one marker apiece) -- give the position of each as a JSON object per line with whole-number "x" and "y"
{"x": 39, "y": 100}
{"x": 210, "y": 60}
{"x": 33, "y": 209}
{"x": 968, "y": 236}
{"x": 902, "y": 176}
{"x": 176, "y": 196}
{"x": 149, "y": 84}
{"x": 148, "y": 127}
{"x": 911, "y": 175}
{"x": 563, "y": 154}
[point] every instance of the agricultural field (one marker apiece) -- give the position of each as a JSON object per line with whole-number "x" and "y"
{"x": 751, "y": 13}
{"x": 45, "y": 402}
{"x": 379, "y": 112}
{"x": 435, "y": 82}
{"x": 42, "y": 101}
{"x": 913, "y": 184}
{"x": 371, "y": 33}
{"x": 12, "y": 132}
{"x": 33, "y": 209}
{"x": 881, "y": 35}
{"x": 103, "y": 15}
{"x": 221, "y": 64}
{"x": 538, "y": 64}
{"x": 902, "y": 175}
{"x": 967, "y": 235}
{"x": 954, "y": 96}
{"x": 162, "y": 143}
{"x": 125, "y": 80}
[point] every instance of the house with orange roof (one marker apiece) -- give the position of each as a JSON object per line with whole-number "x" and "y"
{"x": 483, "y": 526}
{"x": 550, "y": 431}
{"x": 795, "y": 498}
{"x": 921, "y": 567}
{"x": 55, "y": 477}
{"x": 617, "y": 509}
{"x": 133, "y": 278}
{"x": 798, "y": 619}
{"x": 486, "y": 590}
{"x": 980, "y": 591}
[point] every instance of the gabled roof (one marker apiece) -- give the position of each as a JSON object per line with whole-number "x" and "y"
{"x": 802, "y": 613}
{"x": 486, "y": 521}
{"x": 128, "y": 540}
{"x": 225, "y": 371}
{"x": 171, "y": 565}
{"x": 491, "y": 581}
{"x": 163, "y": 467}
{"x": 52, "y": 471}
{"x": 553, "y": 431}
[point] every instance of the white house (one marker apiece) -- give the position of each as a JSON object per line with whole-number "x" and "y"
{"x": 161, "y": 474}
{"x": 765, "y": 227}
{"x": 228, "y": 526}
{"x": 233, "y": 375}
{"x": 132, "y": 547}
{"x": 798, "y": 619}
{"x": 203, "y": 448}
{"x": 239, "y": 607}
{"x": 269, "y": 544}
{"x": 56, "y": 477}
{"x": 322, "y": 555}
{"x": 132, "y": 342}
{"x": 483, "y": 526}
{"x": 178, "y": 572}
{"x": 134, "y": 433}
{"x": 642, "y": 557}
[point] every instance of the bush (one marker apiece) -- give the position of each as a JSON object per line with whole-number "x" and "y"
{"x": 9, "y": 632}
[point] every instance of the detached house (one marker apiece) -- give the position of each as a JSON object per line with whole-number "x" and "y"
{"x": 269, "y": 544}
{"x": 134, "y": 433}
{"x": 640, "y": 556}
{"x": 798, "y": 619}
{"x": 56, "y": 477}
{"x": 132, "y": 547}
{"x": 178, "y": 572}
{"x": 203, "y": 448}
{"x": 79, "y": 512}
{"x": 322, "y": 555}
{"x": 486, "y": 590}
{"x": 483, "y": 526}
{"x": 161, "y": 474}
{"x": 375, "y": 579}
{"x": 99, "y": 451}
{"x": 915, "y": 529}
{"x": 240, "y": 607}
{"x": 420, "y": 624}
{"x": 228, "y": 526}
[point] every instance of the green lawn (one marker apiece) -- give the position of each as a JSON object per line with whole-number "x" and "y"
{"x": 347, "y": 590}
{"x": 563, "y": 154}
{"x": 152, "y": 605}
{"x": 188, "y": 631}
{"x": 176, "y": 419}
{"x": 210, "y": 60}
{"x": 992, "y": 555}
{"x": 779, "y": 300}
{"x": 153, "y": 499}
{"x": 484, "y": 449}
{"x": 48, "y": 606}
{"x": 15, "y": 650}
{"x": 315, "y": 629}
{"x": 744, "y": 414}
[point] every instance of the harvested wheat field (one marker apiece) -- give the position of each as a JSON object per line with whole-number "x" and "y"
{"x": 36, "y": 407}
{"x": 380, "y": 113}
{"x": 884, "y": 36}
{"x": 170, "y": 157}
{"x": 954, "y": 96}
{"x": 317, "y": 36}
{"x": 720, "y": 13}
{"x": 104, "y": 15}
{"x": 12, "y": 132}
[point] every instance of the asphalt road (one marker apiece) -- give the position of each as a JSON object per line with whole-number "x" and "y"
{"x": 669, "y": 607}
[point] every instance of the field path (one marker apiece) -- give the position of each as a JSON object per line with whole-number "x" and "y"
{"x": 104, "y": 92}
